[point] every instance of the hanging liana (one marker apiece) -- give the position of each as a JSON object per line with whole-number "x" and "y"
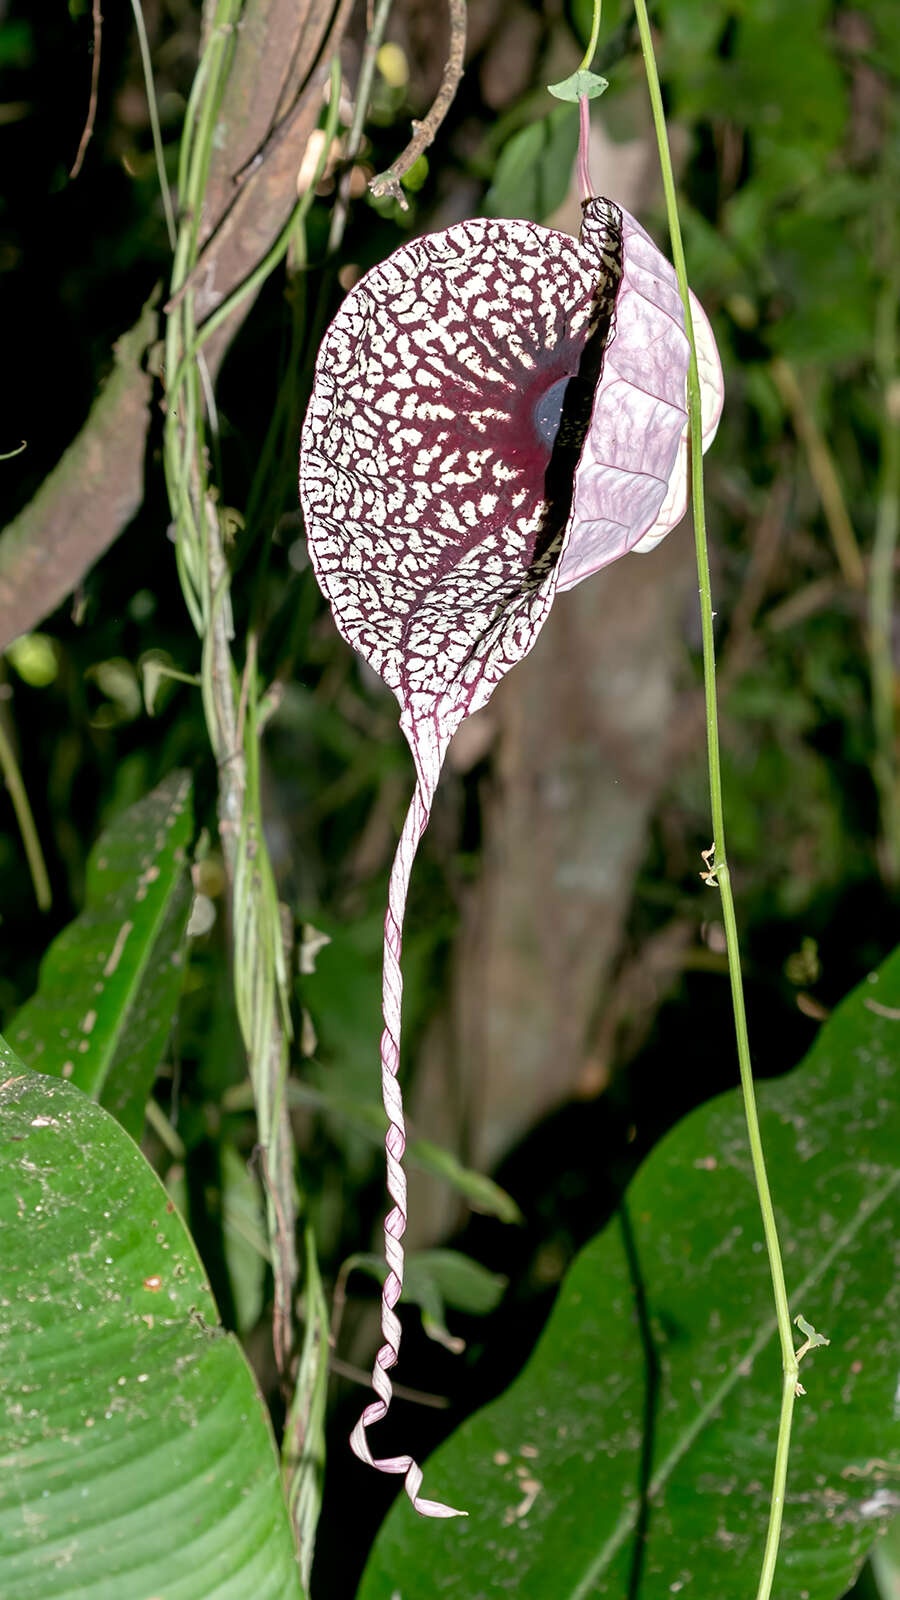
{"x": 498, "y": 411}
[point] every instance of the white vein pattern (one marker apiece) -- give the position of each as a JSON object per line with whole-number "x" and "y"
{"x": 423, "y": 473}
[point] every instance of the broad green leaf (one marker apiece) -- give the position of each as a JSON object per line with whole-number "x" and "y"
{"x": 638, "y": 1444}
{"x": 533, "y": 173}
{"x": 138, "y": 1460}
{"x": 109, "y": 984}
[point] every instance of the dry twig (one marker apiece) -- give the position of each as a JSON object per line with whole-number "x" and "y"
{"x": 87, "y": 131}
{"x": 388, "y": 183}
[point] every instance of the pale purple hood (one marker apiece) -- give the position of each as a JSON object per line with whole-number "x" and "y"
{"x": 631, "y": 481}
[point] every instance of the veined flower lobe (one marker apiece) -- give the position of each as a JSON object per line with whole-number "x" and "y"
{"x": 498, "y": 411}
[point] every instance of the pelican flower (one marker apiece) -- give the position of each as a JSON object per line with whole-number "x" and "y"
{"x": 498, "y": 411}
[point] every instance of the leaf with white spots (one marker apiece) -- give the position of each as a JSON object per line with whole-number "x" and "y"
{"x": 648, "y": 1412}
{"x": 138, "y": 1459}
{"x": 109, "y": 984}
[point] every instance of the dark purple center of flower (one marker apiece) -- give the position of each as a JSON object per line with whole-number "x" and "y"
{"x": 549, "y": 409}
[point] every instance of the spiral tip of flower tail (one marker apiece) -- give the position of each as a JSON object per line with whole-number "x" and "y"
{"x": 426, "y": 1508}
{"x": 359, "y": 1444}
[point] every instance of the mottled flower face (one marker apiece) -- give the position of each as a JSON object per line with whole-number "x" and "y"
{"x": 440, "y": 446}
{"x": 498, "y": 411}
{"x": 452, "y": 472}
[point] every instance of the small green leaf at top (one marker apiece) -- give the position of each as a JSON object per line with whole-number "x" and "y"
{"x": 580, "y": 85}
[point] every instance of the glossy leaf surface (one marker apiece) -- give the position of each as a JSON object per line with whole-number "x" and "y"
{"x": 633, "y": 1456}
{"x": 138, "y": 1460}
{"x": 109, "y": 984}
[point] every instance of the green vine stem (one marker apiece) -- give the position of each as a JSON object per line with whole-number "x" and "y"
{"x": 18, "y": 794}
{"x": 720, "y": 873}
{"x": 591, "y": 50}
{"x": 353, "y": 142}
{"x": 260, "y": 964}
{"x": 144, "y": 46}
{"x": 881, "y": 572}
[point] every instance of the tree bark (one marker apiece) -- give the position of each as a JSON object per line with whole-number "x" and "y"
{"x": 581, "y": 737}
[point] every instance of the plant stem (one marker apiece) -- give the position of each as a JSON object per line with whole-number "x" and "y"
{"x": 388, "y": 183}
{"x": 822, "y": 471}
{"x": 779, "y": 1480}
{"x": 9, "y": 767}
{"x": 88, "y": 130}
{"x": 259, "y": 966}
{"x": 584, "y": 148}
{"x": 881, "y": 574}
{"x": 591, "y": 50}
{"x": 154, "y": 120}
{"x": 722, "y": 874}
{"x": 355, "y": 132}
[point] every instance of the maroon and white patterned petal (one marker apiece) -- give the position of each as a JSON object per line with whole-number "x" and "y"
{"x": 428, "y": 446}
{"x": 497, "y": 411}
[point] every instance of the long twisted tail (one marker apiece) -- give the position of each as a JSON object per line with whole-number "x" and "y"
{"x": 395, "y": 1144}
